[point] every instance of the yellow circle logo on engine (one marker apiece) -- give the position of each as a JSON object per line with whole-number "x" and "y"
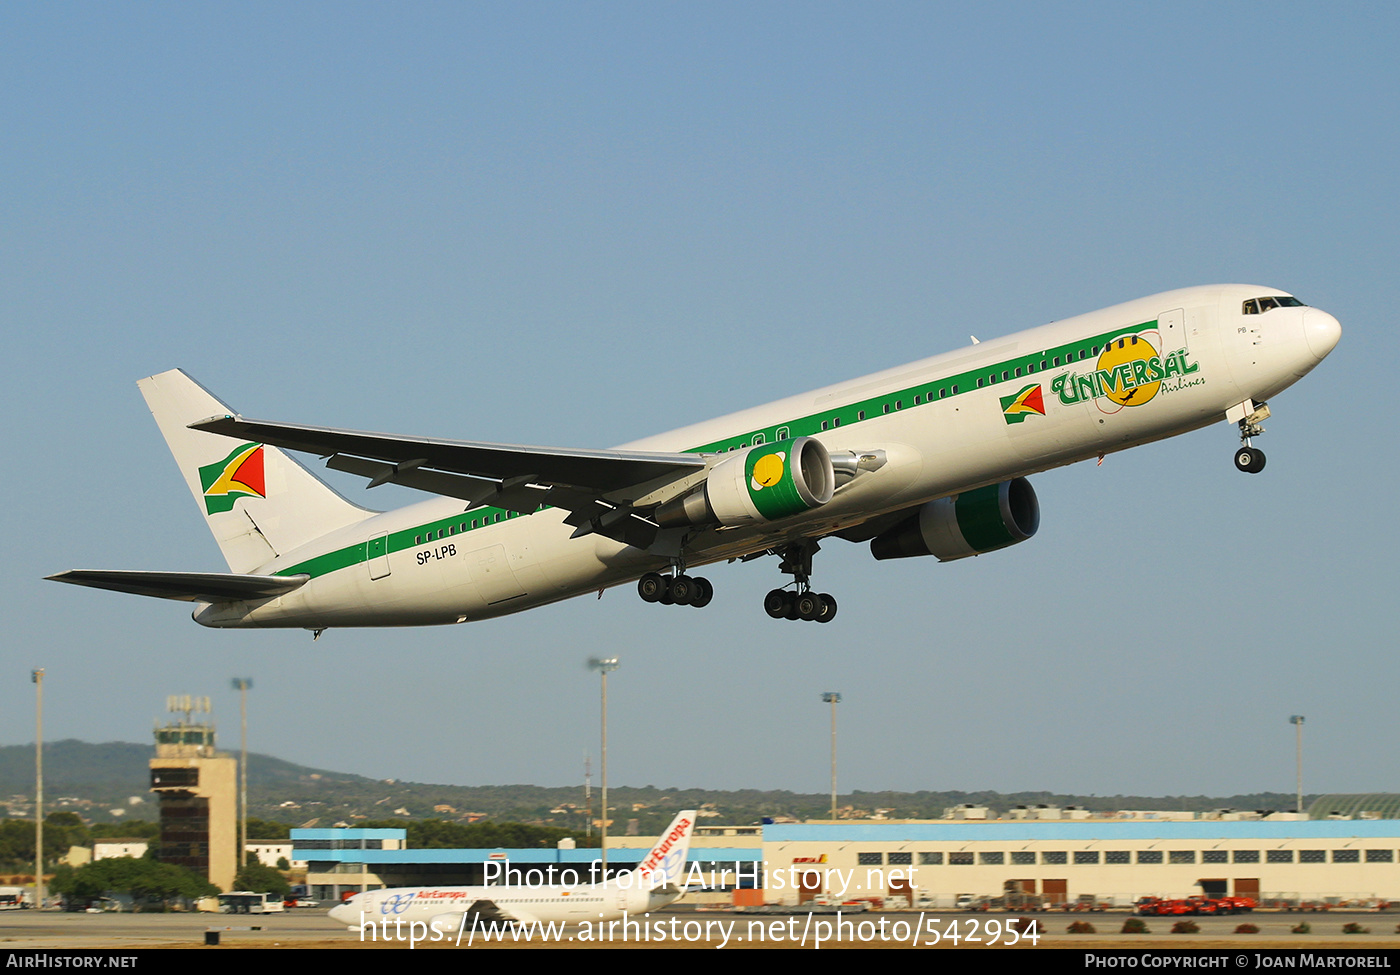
{"x": 768, "y": 470}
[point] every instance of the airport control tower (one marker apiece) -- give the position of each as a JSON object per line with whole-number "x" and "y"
{"x": 198, "y": 793}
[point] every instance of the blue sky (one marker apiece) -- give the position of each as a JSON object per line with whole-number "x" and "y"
{"x": 578, "y": 224}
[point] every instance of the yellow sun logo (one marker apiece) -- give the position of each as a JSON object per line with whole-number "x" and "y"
{"x": 767, "y": 471}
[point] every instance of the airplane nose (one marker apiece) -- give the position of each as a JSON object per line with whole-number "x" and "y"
{"x": 1322, "y": 331}
{"x": 344, "y": 912}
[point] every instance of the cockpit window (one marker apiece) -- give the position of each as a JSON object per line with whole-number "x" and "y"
{"x": 1257, "y": 306}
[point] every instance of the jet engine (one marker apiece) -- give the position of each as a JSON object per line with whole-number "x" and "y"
{"x": 970, "y": 523}
{"x": 764, "y": 483}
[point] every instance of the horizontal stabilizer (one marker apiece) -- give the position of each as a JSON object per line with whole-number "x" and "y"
{"x": 208, "y": 587}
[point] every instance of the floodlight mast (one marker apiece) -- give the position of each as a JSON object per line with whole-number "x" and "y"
{"x": 37, "y": 676}
{"x": 833, "y": 698}
{"x": 242, "y": 685}
{"x": 1297, "y": 722}
{"x": 605, "y": 666}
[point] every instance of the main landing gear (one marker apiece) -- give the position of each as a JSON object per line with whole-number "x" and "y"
{"x": 1249, "y": 458}
{"x": 796, "y": 603}
{"x": 803, "y": 603}
{"x": 679, "y": 589}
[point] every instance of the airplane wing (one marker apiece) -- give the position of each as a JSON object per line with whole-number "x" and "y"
{"x": 598, "y": 487}
{"x": 208, "y": 587}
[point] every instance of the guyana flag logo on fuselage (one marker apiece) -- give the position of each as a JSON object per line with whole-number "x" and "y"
{"x": 239, "y": 475}
{"x": 1027, "y": 402}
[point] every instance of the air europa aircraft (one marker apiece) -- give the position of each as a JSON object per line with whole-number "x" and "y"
{"x": 930, "y": 458}
{"x": 658, "y": 880}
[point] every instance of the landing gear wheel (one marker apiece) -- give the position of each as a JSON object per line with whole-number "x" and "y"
{"x": 790, "y": 606}
{"x": 651, "y": 587}
{"x": 682, "y": 590}
{"x": 809, "y": 606}
{"x": 1250, "y": 460}
{"x": 828, "y": 608}
{"x": 774, "y": 603}
{"x": 704, "y": 592}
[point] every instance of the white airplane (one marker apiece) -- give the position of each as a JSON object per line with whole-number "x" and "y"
{"x": 658, "y": 879}
{"x": 924, "y": 459}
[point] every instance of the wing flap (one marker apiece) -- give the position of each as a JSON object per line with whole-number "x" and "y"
{"x": 474, "y": 490}
{"x": 208, "y": 587}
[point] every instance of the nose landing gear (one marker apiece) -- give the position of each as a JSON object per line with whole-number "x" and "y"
{"x": 1249, "y": 459}
{"x": 1248, "y": 417}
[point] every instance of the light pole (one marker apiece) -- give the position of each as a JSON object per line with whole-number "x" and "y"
{"x": 605, "y": 666}
{"x": 833, "y": 698}
{"x": 242, "y": 686}
{"x": 1297, "y": 722}
{"x": 37, "y": 676}
{"x": 588, "y": 795}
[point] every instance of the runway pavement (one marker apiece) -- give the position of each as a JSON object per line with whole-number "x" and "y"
{"x": 683, "y": 927}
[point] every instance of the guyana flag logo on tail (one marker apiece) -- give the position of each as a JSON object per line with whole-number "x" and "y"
{"x": 239, "y": 475}
{"x": 1025, "y": 403}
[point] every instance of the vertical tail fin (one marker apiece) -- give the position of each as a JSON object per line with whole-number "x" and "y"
{"x": 258, "y": 502}
{"x": 667, "y": 858}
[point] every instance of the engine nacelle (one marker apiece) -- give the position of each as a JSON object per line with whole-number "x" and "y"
{"x": 765, "y": 483}
{"x": 966, "y": 524}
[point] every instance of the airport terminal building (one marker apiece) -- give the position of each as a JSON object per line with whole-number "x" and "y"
{"x": 1015, "y": 863}
{"x": 1105, "y": 862}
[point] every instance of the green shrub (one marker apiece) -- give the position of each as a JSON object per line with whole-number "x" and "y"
{"x": 1247, "y": 928}
{"x": 1135, "y": 925}
{"x": 145, "y": 880}
{"x": 262, "y": 879}
{"x": 1304, "y": 928}
{"x": 1185, "y": 927}
{"x": 1081, "y": 927}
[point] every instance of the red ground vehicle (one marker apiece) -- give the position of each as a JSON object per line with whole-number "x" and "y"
{"x": 1175, "y": 908}
{"x": 1153, "y": 906}
{"x": 1238, "y": 905}
{"x": 1195, "y": 904}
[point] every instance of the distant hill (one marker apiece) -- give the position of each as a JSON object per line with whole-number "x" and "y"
{"x": 92, "y": 779}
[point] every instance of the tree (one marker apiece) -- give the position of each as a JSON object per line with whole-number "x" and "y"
{"x": 266, "y": 829}
{"x": 261, "y": 879}
{"x": 134, "y": 828}
{"x": 144, "y": 880}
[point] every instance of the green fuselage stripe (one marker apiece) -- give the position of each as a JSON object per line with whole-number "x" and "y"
{"x": 923, "y": 394}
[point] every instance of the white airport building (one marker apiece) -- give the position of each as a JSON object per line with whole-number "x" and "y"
{"x": 1016, "y": 863}
{"x": 1344, "y": 852}
{"x": 1107, "y": 862}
